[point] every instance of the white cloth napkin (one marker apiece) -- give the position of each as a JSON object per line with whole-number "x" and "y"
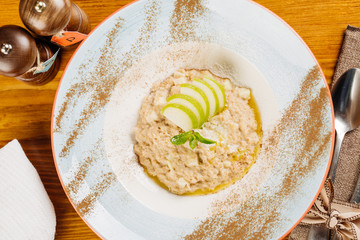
{"x": 26, "y": 211}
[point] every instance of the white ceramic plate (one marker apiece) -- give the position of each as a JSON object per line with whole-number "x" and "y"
{"x": 113, "y": 70}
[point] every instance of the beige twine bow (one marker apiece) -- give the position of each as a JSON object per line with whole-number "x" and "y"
{"x": 39, "y": 66}
{"x": 341, "y": 217}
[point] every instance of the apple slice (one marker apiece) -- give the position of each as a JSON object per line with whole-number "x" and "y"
{"x": 210, "y": 94}
{"x": 190, "y": 103}
{"x": 181, "y": 116}
{"x": 198, "y": 94}
{"x": 219, "y": 91}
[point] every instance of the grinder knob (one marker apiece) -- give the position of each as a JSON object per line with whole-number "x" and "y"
{"x": 50, "y": 17}
{"x": 17, "y": 50}
{"x": 21, "y": 56}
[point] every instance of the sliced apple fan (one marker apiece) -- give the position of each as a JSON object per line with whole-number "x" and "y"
{"x": 196, "y": 104}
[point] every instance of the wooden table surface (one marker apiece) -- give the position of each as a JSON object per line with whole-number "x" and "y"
{"x": 25, "y": 111}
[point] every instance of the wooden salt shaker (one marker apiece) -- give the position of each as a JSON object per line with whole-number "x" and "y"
{"x": 51, "y": 17}
{"x": 21, "y": 54}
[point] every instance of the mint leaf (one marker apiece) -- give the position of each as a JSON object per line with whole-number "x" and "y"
{"x": 181, "y": 138}
{"x": 193, "y": 142}
{"x": 193, "y": 138}
{"x": 202, "y": 139}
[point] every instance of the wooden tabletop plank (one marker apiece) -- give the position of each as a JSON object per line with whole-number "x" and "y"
{"x": 25, "y": 111}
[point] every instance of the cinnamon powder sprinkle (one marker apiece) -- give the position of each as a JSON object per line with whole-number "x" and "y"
{"x": 99, "y": 85}
{"x": 184, "y": 19}
{"x": 106, "y": 75}
{"x": 87, "y": 204}
{"x": 79, "y": 176}
{"x": 147, "y": 30}
{"x": 256, "y": 219}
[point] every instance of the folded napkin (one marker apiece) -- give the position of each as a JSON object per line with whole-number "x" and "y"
{"x": 342, "y": 215}
{"x": 26, "y": 211}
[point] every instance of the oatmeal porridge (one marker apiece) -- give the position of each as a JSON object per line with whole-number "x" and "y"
{"x": 236, "y": 129}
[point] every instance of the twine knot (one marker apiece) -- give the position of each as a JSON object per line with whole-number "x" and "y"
{"x": 332, "y": 220}
{"x": 341, "y": 217}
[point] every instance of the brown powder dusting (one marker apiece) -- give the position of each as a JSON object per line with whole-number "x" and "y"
{"x": 86, "y": 85}
{"x": 99, "y": 84}
{"x": 106, "y": 75}
{"x": 87, "y": 204}
{"x": 146, "y": 33}
{"x": 77, "y": 90}
{"x": 79, "y": 177}
{"x": 309, "y": 145}
{"x": 63, "y": 109}
{"x": 92, "y": 157}
{"x": 184, "y": 19}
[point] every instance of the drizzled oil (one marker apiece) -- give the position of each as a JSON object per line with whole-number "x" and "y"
{"x": 252, "y": 103}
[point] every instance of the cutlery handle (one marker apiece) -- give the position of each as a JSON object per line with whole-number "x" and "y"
{"x": 318, "y": 233}
{"x": 322, "y": 233}
{"x": 334, "y": 162}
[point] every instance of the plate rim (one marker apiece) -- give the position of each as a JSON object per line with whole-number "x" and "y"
{"x": 250, "y": 1}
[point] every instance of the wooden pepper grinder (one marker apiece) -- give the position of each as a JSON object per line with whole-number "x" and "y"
{"x": 53, "y": 17}
{"x": 21, "y": 56}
